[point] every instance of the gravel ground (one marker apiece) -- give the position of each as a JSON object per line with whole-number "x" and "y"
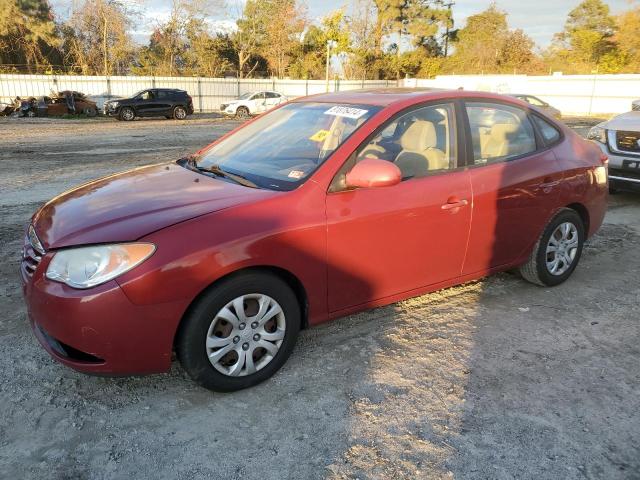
{"x": 493, "y": 379}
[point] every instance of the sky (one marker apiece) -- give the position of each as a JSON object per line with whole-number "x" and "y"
{"x": 539, "y": 19}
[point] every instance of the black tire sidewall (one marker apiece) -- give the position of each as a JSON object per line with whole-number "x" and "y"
{"x": 242, "y": 113}
{"x": 563, "y": 216}
{"x": 190, "y": 343}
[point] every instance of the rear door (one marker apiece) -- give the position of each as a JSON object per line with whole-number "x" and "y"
{"x": 392, "y": 240}
{"x": 516, "y": 183}
{"x": 164, "y": 102}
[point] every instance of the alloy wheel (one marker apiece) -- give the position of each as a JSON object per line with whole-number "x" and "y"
{"x": 180, "y": 113}
{"x": 245, "y": 335}
{"x": 562, "y": 248}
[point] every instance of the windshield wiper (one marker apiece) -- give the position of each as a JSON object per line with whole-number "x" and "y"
{"x": 216, "y": 170}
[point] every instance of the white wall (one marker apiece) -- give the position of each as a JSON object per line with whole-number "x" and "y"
{"x": 571, "y": 94}
{"x": 207, "y": 93}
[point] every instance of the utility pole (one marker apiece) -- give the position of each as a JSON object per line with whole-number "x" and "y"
{"x": 327, "y": 66}
{"x": 446, "y": 35}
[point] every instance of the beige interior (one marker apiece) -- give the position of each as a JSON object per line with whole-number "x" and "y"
{"x": 419, "y": 153}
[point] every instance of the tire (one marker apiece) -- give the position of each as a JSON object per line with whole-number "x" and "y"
{"x": 179, "y": 113}
{"x": 200, "y": 326}
{"x": 539, "y": 267}
{"x": 242, "y": 113}
{"x": 126, "y": 114}
{"x": 90, "y": 112}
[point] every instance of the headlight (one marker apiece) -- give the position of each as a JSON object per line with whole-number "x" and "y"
{"x": 87, "y": 267}
{"x": 597, "y": 133}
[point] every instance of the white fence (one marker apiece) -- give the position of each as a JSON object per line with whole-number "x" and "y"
{"x": 571, "y": 94}
{"x": 207, "y": 93}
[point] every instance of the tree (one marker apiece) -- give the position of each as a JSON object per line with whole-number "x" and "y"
{"x": 627, "y": 40}
{"x": 27, "y": 33}
{"x": 97, "y": 39}
{"x": 310, "y": 59}
{"x": 586, "y": 42}
{"x": 364, "y": 41}
{"x": 487, "y": 45}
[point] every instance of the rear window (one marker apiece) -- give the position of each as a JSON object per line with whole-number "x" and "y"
{"x": 499, "y": 132}
{"x": 548, "y": 131}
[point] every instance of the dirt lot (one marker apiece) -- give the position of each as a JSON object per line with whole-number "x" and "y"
{"x": 493, "y": 379}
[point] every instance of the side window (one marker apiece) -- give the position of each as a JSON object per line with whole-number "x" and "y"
{"x": 499, "y": 132}
{"x": 548, "y": 131}
{"x": 163, "y": 95}
{"x": 419, "y": 142}
{"x": 258, "y": 96}
{"x": 148, "y": 95}
{"x": 272, "y": 95}
{"x": 535, "y": 101}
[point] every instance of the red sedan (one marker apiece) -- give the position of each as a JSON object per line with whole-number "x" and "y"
{"x": 322, "y": 207}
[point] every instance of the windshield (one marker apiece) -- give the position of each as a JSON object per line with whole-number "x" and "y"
{"x": 244, "y": 96}
{"x": 281, "y": 149}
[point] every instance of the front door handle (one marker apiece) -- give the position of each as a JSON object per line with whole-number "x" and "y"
{"x": 454, "y": 203}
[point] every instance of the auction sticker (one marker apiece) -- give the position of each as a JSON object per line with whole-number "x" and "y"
{"x": 319, "y": 136}
{"x": 348, "y": 112}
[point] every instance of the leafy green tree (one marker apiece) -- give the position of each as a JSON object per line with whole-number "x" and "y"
{"x": 28, "y": 34}
{"x": 586, "y": 43}
{"x": 487, "y": 45}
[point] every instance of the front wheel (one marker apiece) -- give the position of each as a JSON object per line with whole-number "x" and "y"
{"x": 240, "y": 332}
{"x": 242, "y": 113}
{"x": 557, "y": 252}
{"x": 127, "y": 114}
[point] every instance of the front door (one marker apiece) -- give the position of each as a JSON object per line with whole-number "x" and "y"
{"x": 390, "y": 240}
{"x": 145, "y": 103}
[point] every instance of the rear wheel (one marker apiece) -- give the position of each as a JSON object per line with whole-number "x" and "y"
{"x": 557, "y": 252}
{"x": 127, "y": 114}
{"x": 240, "y": 332}
{"x": 90, "y": 111}
{"x": 242, "y": 113}
{"x": 179, "y": 113}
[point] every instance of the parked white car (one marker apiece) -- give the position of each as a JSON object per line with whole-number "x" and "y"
{"x": 619, "y": 139}
{"x": 252, "y": 103}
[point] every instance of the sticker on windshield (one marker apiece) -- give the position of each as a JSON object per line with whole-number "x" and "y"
{"x": 319, "y": 136}
{"x": 297, "y": 174}
{"x": 348, "y": 112}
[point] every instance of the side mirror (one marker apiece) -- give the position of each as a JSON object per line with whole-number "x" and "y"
{"x": 371, "y": 173}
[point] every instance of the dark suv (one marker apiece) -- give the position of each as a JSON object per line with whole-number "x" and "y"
{"x": 154, "y": 102}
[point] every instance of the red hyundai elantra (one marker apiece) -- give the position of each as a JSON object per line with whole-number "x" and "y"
{"x": 322, "y": 207}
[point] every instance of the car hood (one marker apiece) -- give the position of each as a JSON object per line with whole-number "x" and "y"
{"x": 629, "y": 121}
{"x": 129, "y": 205}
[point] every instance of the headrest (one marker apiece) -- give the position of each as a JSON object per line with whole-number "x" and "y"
{"x": 500, "y": 131}
{"x": 420, "y": 136}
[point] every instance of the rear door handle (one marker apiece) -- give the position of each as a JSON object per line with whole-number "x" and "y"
{"x": 452, "y": 203}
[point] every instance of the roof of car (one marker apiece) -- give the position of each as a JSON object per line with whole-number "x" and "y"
{"x": 387, "y": 96}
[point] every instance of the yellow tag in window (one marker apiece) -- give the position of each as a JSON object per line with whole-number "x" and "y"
{"x": 319, "y": 136}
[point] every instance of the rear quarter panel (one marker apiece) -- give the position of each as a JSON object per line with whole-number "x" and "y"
{"x": 585, "y": 180}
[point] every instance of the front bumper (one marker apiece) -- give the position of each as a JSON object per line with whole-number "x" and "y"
{"x": 110, "y": 110}
{"x": 99, "y": 330}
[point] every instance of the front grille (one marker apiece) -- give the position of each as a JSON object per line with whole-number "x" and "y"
{"x": 624, "y": 173}
{"x": 628, "y": 141}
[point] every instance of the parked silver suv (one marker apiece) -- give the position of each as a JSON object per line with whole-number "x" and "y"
{"x": 619, "y": 138}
